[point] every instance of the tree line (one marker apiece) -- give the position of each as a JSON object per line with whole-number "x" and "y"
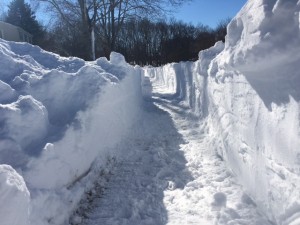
{"x": 145, "y": 42}
{"x": 93, "y": 28}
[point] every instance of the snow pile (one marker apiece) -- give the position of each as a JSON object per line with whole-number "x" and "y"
{"x": 14, "y": 197}
{"x": 248, "y": 92}
{"x": 60, "y": 119}
{"x": 263, "y": 39}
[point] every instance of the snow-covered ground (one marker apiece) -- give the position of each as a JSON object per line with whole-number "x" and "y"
{"x": 218, "y": 142}
{"x": 170, "y": 177}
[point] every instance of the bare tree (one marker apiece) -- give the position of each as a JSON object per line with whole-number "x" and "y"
{"x": 106, "y": 17}
{"x": 113, "y": 13}
{"x": 72, "y": 10}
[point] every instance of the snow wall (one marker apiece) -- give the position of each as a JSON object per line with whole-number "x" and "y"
{"x": 60, "y": 121}
{"x": 248, "y": 91}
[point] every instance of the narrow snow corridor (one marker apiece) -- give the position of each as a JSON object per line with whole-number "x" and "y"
{"x": 213, "y": 196}
{"x": 171, "y": 177}
{"x": 216, "y": 141}
{"x": 135, "y": 193}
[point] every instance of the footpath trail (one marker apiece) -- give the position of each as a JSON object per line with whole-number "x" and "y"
{"x": 170, "y": 176}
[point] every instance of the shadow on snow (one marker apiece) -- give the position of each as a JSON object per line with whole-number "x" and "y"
{"x": 154, "y": 164}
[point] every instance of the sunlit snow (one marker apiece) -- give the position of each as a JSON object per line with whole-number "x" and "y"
{"x": 216, "y": 141}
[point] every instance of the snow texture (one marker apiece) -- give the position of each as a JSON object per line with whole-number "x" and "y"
{"x": 58, "y": 118}
{"x": 248, "y": 91}
{"x": 218, "y": 142}
{"x": 14, "y": 198}
{"x": 169, "y": 177}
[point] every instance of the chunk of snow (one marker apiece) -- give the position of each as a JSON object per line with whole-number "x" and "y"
{"x": 14, "y": 197}
{"x": 117, "y": 59}
{"x": 24, "y": 122}
{"x": 8, "y": 94}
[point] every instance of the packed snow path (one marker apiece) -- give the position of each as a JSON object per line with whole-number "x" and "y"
{"x": 171, "y": 177}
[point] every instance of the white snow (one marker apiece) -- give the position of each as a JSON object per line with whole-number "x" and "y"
{"x": 249, "y": 95}
{"x": 59, "y": 116}
{"x": 216, "y": 141}
{"x": 146, "y": 87}
{"x": 14, "y": 198}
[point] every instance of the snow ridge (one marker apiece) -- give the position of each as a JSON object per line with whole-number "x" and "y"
{"x": 60, "y": 116}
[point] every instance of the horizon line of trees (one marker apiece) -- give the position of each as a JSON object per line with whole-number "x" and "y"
{"x": 141, "y": 40}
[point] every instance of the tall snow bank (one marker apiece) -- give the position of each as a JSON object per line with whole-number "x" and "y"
{"x": 60, "y": 119}
{"x": 255, "y": 104}
{"x": 96, "y": 130}
{"x": 250, "y": 90}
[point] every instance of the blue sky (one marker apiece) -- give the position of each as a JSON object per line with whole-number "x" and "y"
{"x": 208, "y": 12}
